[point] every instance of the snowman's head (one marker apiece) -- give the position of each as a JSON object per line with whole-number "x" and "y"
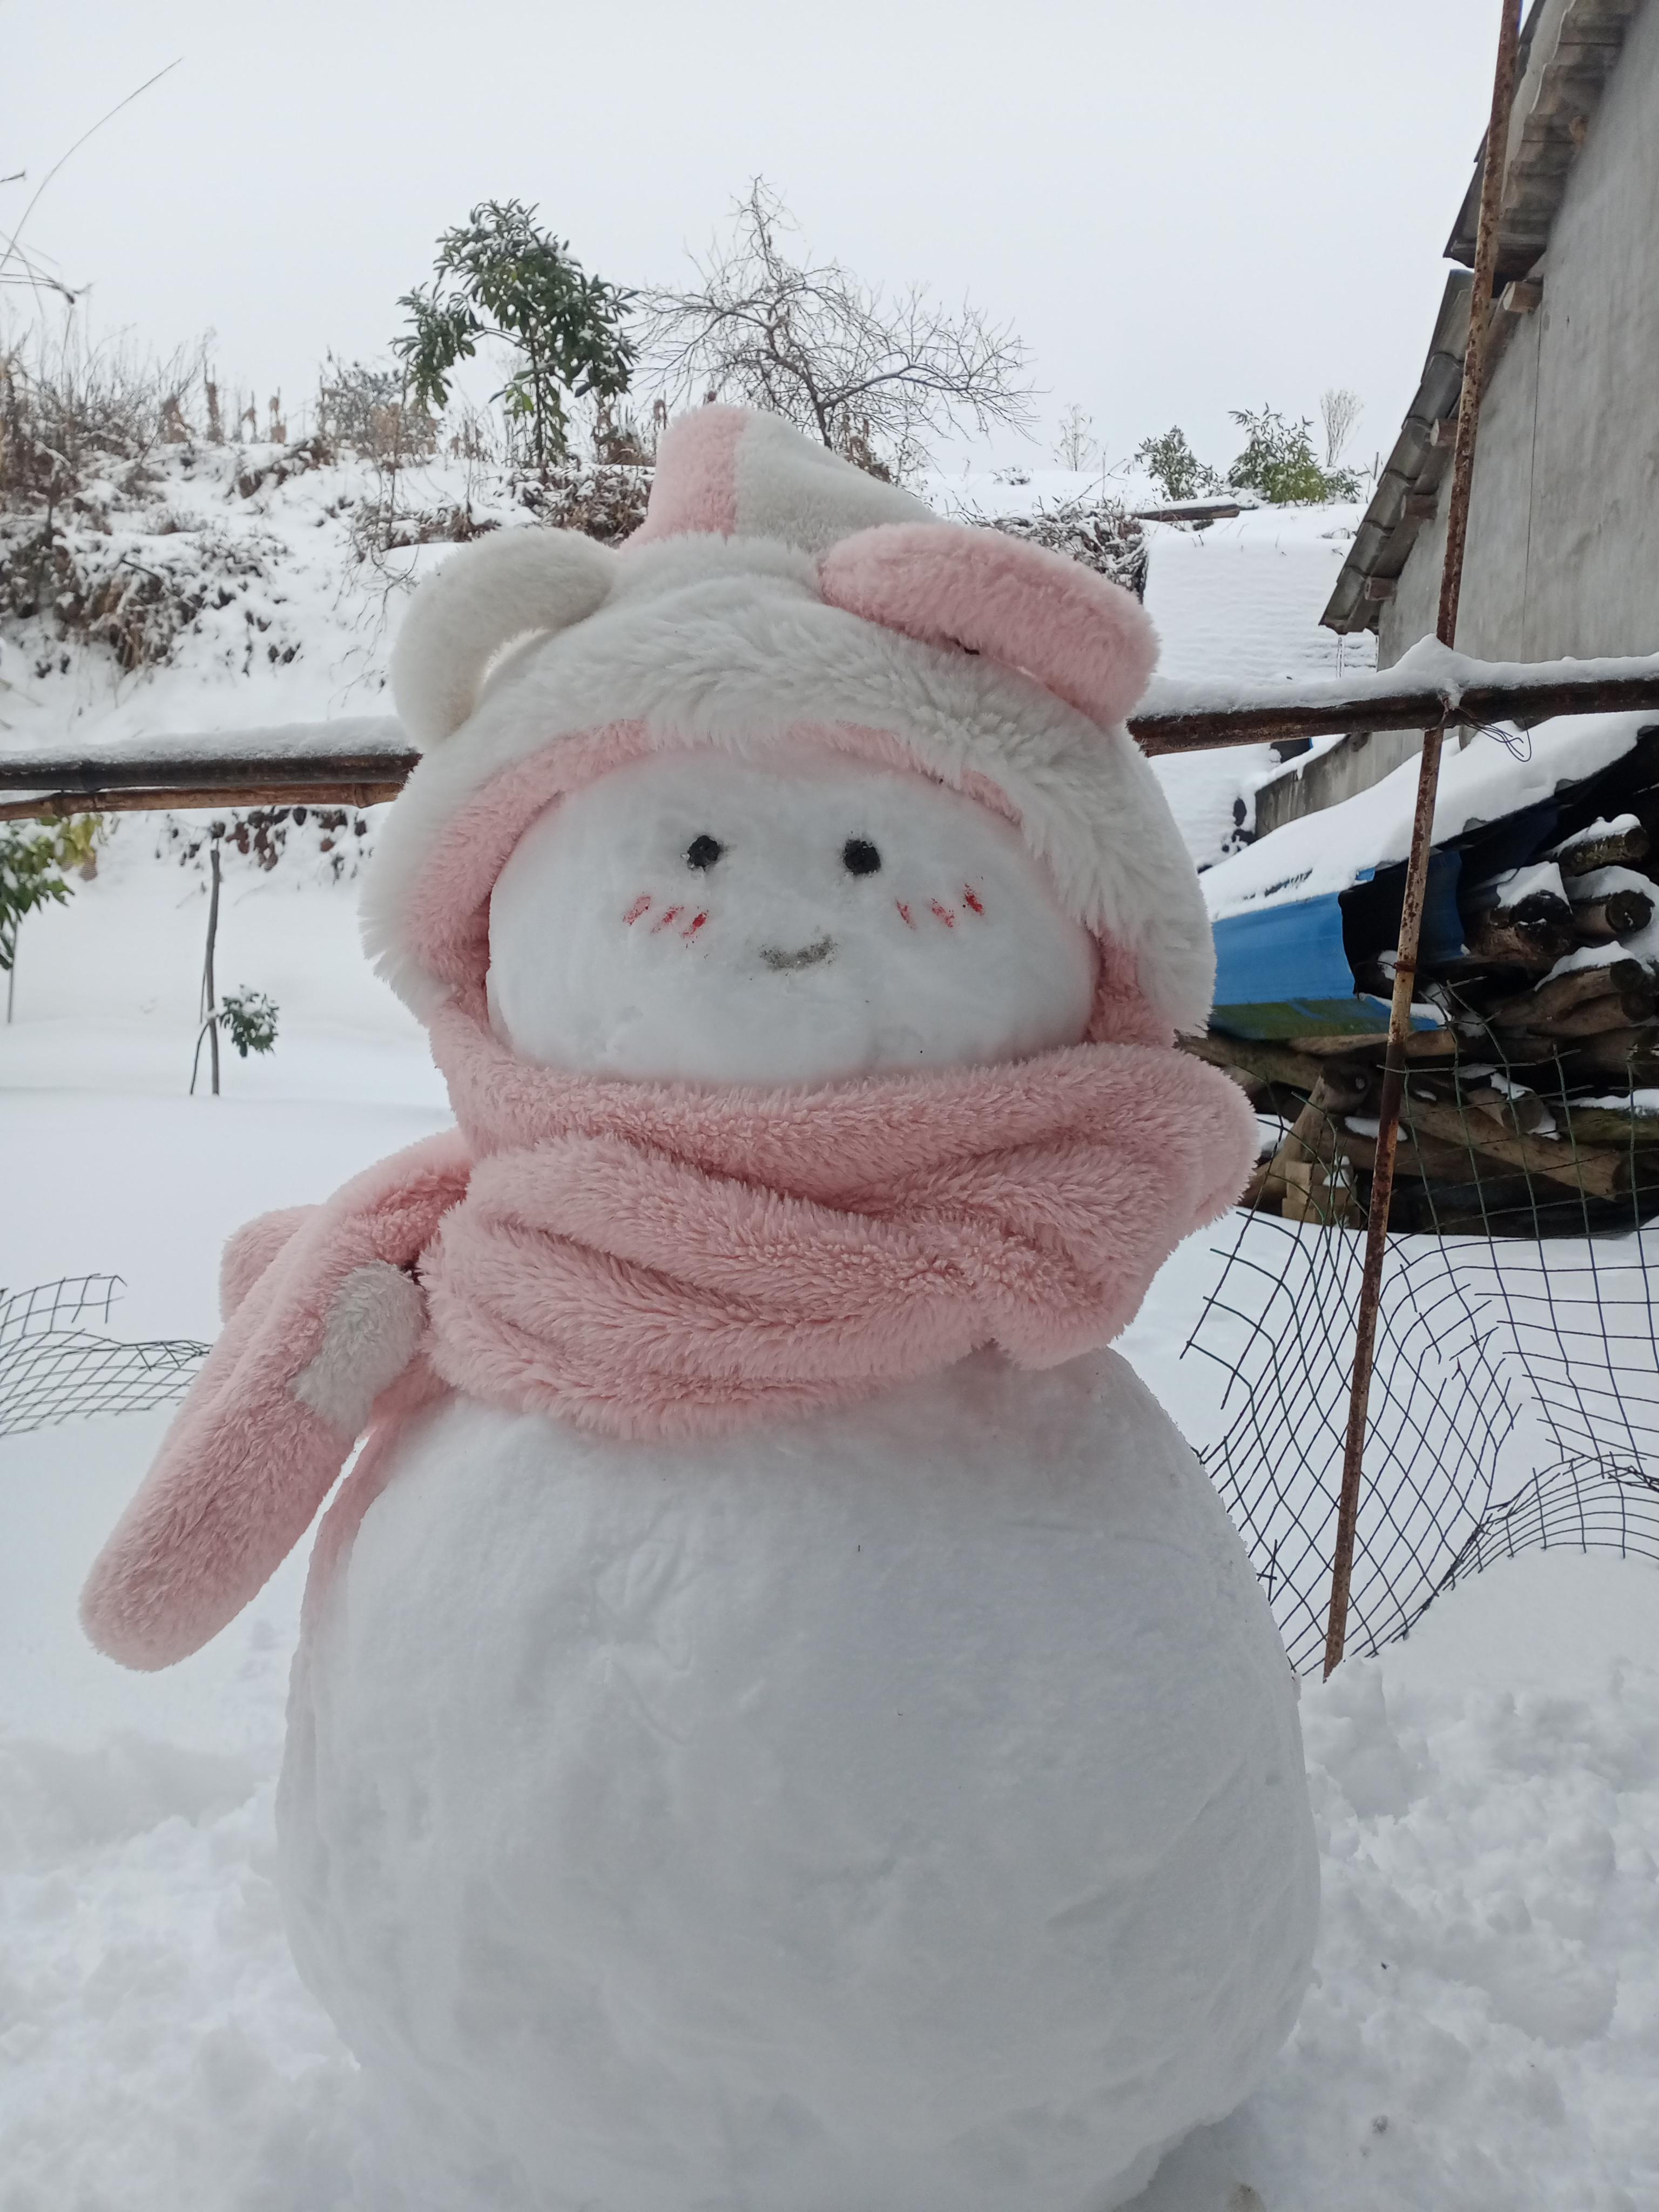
{"x": 799, "y": 784}
{"x": 798, "y": 917}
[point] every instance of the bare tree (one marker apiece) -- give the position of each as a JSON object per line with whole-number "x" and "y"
{"x": 1339, "y": 411}
{"x": 875, "y": 377}
{"x": 1077, "y": 446}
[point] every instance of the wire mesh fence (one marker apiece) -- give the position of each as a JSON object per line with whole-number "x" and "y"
{"x": 55, "y": 1365}
{"x": 1516, "y": 1397}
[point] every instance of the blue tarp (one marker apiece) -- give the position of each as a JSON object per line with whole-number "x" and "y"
{"x": 1283, "y": 969}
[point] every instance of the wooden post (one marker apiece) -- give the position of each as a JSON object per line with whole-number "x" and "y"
{"x": 209, "y": 1006}
{"x": 1416, "y": 869}
{"x": 210, "y": 996}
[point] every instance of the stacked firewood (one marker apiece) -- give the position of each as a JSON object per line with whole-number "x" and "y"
{"x": 1532, "y": 1104}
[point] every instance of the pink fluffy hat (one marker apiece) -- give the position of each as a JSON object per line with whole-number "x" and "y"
{"x": 776, "y": 593}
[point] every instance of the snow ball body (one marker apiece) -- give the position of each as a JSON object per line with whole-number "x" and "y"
{"x": 895, "y": 1809}
{"x": 903, "y": 1813}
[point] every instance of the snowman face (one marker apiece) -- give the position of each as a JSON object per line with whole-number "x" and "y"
{"x": 804, "y": 920}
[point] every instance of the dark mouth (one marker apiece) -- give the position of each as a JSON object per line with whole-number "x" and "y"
{"x": 808, "y": 957}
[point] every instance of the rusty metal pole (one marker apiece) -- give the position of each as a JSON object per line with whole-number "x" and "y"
{"x": 1416, "y": 869}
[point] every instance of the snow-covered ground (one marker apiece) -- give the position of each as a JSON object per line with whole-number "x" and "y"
{"x": 1484, "y": 2031}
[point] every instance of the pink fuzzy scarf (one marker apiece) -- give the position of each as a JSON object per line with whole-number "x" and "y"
{"x": 650, "y": 1260}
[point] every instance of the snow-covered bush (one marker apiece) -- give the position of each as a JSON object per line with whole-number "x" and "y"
{"x": 101, "y": 543}
{"x": 1279, "y": 461}
{"x": 71, "y": 413}
{"x": 365, "y": 407}
{"x": 603, "y": 502}
{"x": 1101, "y": 533}
{"x": 248, "y": 1019}
{"x": 134, "y": 591}
{"x": 1175, "y": 468}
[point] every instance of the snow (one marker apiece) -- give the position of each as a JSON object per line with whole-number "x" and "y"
{"x": 1541, "y": 879}
{"x": 1483, "y": 2024}
{"x": 772, "y": 961}
{"x": 355, "y": 735}
{"x": 1635, "y": 944}
{"x": 1479, "y": 782}
{"x": 1603, "y": 882}
{"x": 1618, "y": 825}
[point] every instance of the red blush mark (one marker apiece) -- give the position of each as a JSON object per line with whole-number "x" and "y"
{"x": 666, "y": 920}
{"x": 638, "y": 908}
{"x": 942, "y": 912}
{"x": 905, "y": 911}
{"x": 697, "y": 921}
{"x": 971, "y": 898}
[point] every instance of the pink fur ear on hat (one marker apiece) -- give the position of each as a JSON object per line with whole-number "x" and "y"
{"x": 1087, "y": 640}
{"x": 506, "y": 586}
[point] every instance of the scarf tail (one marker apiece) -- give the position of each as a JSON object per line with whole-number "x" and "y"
{"x": 325, "y": 1318}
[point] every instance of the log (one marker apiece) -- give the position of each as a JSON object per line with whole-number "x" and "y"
{"x": 1517, "y": 1209}
{"x": 1534, "y": 933}
{"x": 1421, "y": 1044}
{"x": 1524, "y": 1116}
{"x": 1299, "y": 1175}
{"x": 1598, "y": 921}
{"x": 1602, "y": 1174}
{"x": 1192, "y": 510}
{"x": 1264, "y": 1061}
{"x": 1634, "y": 1052}
{"x": 1562, "y": 994}
{"x": 1424, "y": 1158}
{"x": 1612, "y": 848}
{"x": 325, "y": 791}
{"x": 1618, "y": 1010}
{"x": 1519, "y": 1048}
{"x": 384, "y": 756}
{"x": 1609, "y": 1125}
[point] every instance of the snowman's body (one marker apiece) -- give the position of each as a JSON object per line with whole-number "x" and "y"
{"x": 898, "y": 1810}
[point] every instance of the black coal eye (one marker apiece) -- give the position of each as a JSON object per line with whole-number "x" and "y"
{"x": 702, "y": 851}
{"x": 860, "y": 857}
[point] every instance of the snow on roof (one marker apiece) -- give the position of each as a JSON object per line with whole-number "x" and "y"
{"x": 1480, "y": 782}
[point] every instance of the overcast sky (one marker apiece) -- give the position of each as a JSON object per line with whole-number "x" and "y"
{"x": 1181, "y": 205}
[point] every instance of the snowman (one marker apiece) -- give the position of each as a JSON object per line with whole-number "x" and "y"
{"x": 781, "y": 1720}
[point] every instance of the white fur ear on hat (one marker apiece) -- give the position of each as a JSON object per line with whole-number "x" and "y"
{"x": 499, "y": 588}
